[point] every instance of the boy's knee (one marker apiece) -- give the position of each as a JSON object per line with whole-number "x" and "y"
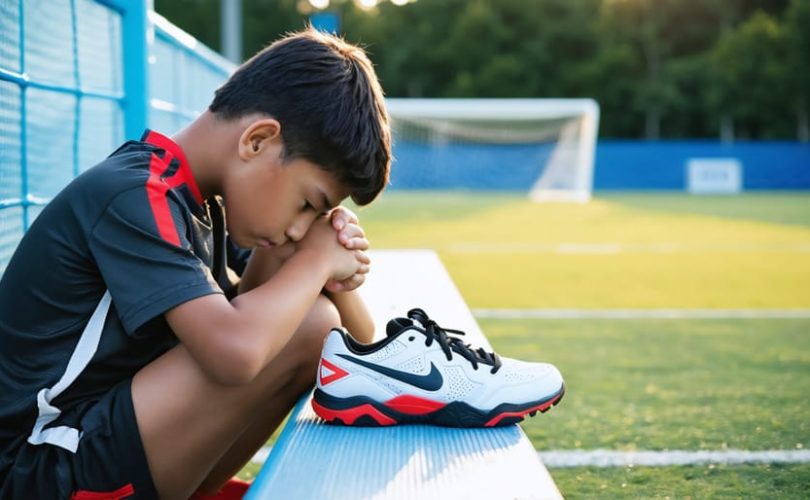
{"x": 321, "y": 319}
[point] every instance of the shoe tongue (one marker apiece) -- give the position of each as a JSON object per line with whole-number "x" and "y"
{"x": 396, "y": 325}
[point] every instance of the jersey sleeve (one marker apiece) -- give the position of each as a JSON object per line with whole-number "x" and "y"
{"x": 146, "y": 259}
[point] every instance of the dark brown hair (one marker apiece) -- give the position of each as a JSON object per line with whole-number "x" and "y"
{"x": 324, "y": 92}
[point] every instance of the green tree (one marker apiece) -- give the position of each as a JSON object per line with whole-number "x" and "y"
{"x": 749, "y": 78}
{"x": 640, "y": 24}
{"x": 665, "y": 38}
{"x": 797, "y": 27}
{"x": 658, "y": 68}
{"x": 200, "y": 18}
{"x": 476, "y": 48}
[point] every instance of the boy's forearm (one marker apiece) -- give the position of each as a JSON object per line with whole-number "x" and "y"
{"x": 232, "y": 342}
{"x": 354, "y": 314}
{"x": 284, "y": 300}
{"x": 264, "y": 263}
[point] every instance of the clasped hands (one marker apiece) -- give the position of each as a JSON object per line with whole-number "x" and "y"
{"x": 349, "y": 234}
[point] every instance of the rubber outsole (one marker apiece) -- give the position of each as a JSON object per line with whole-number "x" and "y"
{"x": 365, "y": 412}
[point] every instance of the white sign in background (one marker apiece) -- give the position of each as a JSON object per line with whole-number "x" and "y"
{"x": 714, "y": 176}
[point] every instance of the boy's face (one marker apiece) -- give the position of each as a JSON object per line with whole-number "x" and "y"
{"x": 269, "y": 202}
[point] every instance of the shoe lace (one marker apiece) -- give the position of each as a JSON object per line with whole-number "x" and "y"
{"x": 450, "y": 344}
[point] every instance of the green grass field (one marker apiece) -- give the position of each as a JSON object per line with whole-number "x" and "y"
{"x": 669, "y": 384}
{"x": 640, "y": 384}
{"x": 672, "y": 384}
{"x": 619, "y": 251}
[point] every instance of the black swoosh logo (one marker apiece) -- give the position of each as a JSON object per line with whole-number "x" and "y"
{"x": 430, "y": 382}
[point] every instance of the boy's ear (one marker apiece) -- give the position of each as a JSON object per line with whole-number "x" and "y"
{"x": 258, "y": 136}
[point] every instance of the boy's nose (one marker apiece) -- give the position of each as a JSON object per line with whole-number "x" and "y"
{"x": 297, "y": 230}
{"x": 293, "y": 235}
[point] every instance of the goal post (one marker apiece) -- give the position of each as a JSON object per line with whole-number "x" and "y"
{"x": 543, "y": 146}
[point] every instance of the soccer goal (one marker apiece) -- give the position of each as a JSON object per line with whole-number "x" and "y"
{"x": 543, "y": 146}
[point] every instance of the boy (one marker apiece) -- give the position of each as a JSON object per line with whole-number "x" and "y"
{"x": 124, "y": 367}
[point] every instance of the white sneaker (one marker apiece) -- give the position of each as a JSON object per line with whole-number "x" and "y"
{"x": 420, "y": 374}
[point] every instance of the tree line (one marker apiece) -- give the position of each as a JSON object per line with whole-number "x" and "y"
{"x": 730, "y": 69}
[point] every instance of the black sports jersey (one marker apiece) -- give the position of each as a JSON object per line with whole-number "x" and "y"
{"x": 131, "y": 235}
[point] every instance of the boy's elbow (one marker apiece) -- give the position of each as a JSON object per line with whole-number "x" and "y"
{"x": 224, "y": 346}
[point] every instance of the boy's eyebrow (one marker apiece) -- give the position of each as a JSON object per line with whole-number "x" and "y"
{"x": 327, "y": 205}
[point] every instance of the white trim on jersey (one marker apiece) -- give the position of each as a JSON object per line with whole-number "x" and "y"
{"x": 63, "y": 436}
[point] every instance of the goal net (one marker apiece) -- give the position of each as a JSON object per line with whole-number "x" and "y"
{"x": 542, "y": 146}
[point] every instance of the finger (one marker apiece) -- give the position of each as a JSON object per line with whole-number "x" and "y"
{"x": 341, "y": 216}
{"x": 350, "y": 231}
{"x": 338, "y": 218}
{"x": 356, "y": 244}
{"x": 357, "y": 280}
{"x": 334, "y": 286}
{"x": 353, "y": 229}
{"x": 350, "y": 216}
{"x": 362, "y": 257}
{"x": 354, "y": 282}
{"x": 338, "y": 222}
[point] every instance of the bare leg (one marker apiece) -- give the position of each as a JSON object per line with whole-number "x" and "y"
{"x": 270, "y": 416}
{"x": 196, "y": 431}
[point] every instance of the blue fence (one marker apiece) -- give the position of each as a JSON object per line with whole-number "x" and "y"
{"x": 183, "y": 74}
{"x": 77, "y": 78}
{"x": 619, "y": 165}
{"x": 661, "y": 165}
{"x": 467, "y": 165}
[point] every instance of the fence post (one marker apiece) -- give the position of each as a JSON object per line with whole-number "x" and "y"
{"x": 137, "y": 33}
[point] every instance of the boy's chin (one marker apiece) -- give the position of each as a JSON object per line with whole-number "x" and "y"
{"x": 243, "y": 242}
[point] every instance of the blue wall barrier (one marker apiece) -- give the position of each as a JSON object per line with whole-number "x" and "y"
{"x": 78, "y": 78}
{"x": 619, "y": 165}
{"x": 661, "y": 165}
{"x": 467, "y": 165}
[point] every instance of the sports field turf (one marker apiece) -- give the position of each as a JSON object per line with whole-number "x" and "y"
{"x": 641, "y": 384}
{"x": 618, "y": 251}
{"x": 672, "y": 384}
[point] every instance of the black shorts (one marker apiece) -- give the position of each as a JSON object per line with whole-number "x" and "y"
{"x": 110, "y": 462}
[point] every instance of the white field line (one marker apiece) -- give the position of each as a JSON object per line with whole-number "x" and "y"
{"x": 609, "y": 458}
{"x": 641, "y": 313}
{"x": 609, "y": 248}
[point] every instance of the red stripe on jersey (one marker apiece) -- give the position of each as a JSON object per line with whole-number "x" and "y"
{"x": 184, "y": 175}
{"x": 156, "y": 189}
{"x": 125, "y": 491}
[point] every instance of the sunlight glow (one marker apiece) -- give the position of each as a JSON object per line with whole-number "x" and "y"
{"x": 367, "y": 4}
